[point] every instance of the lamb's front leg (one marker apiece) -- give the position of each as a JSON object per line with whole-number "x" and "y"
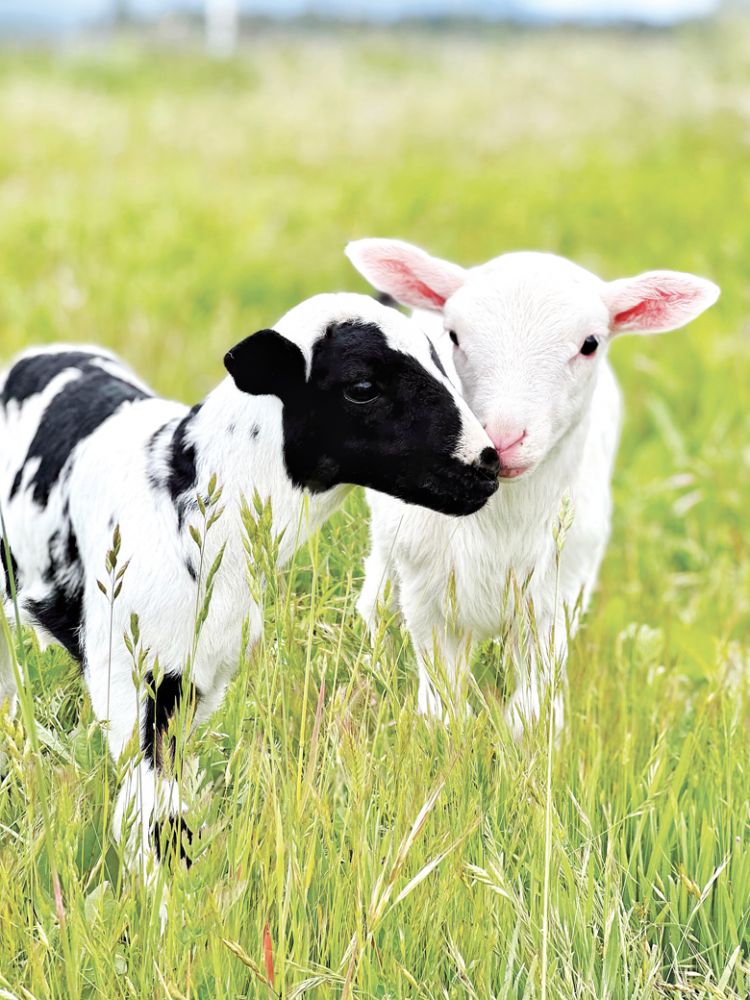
{"x": 539, "y": 661}
{"x": 444, "y": 666}
{"x": 151, "y": 784}
{"x": 443, "y": 657}
{"x": 378, "y": 576}
{"x": 149, "y": 809}
{"x": 8, "y": 691}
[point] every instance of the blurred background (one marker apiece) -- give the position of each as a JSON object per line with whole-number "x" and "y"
{"x": 223, "y": 18}
{"x": 53, "y": 16}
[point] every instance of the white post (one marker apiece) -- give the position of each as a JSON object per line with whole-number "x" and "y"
{"x": 222, "y": 27}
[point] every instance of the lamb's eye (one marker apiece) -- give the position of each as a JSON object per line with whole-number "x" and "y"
{"x": 361, "y": 392}
{"x": 454, "y": 336}
{"x": 589, "y": 346}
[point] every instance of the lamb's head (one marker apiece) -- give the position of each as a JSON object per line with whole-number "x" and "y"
{"x": 366, "y": 401}
{"x": 529, "y": 331}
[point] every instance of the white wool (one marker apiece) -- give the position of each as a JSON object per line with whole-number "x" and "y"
{"x": 520, "y": 322}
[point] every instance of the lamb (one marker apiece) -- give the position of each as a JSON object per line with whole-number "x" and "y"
{"x": 342, "y": 391}
{"x": 526, "y": 335}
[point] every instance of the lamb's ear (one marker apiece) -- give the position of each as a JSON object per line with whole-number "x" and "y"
{"x": 657, "y": 301}
{"x": 405, "y": 272}
{"x": 266, "y": 364}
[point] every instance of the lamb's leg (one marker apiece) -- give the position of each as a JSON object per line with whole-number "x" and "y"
{"x": 443, "y": 656}
{"x": 444, "y": 665}
{"x": 378, "y": 573}
{"x": 8, "y": 688}
{"x": 148, "y": 813}
{"x": 429, "y": 702}
{"x": 8, "y": 691}
{"x": 536, "y": 665}
{"x": 150, "y": 787}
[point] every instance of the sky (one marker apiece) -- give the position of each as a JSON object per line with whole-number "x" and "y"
{"x": 52, "y": 13}
{"x": 656, "y": 10}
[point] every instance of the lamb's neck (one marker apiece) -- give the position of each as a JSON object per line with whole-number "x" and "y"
{"x": 561, "y": 467}
{"x": 239, "y": 438}
{"x": 536, "y": 498}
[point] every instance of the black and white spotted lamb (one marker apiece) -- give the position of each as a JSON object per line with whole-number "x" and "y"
{"x": 342, "y": 391}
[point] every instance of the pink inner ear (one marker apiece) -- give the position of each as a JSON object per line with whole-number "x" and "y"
{"x": 410, "y": 275}
{"x": 658, "y": 301}
{"x": 649, "y": 312}
{"x": 411, "y": 284}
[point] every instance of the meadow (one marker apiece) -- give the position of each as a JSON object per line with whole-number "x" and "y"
{"x": 166, "y": 206}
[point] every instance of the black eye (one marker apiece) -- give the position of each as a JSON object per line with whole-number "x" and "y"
{"x": 361, "y": 392}
{"x": 589, "y": 346}
{"x": 454, "y": 336}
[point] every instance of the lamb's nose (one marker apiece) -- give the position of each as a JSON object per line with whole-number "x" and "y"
{"x": 489, "y": 462}
{"x": 507, "y": 443}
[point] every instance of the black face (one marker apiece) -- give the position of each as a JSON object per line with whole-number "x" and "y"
{"x": 367, "y": 415}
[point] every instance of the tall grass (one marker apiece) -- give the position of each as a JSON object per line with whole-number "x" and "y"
{"x": 166, "y": 207}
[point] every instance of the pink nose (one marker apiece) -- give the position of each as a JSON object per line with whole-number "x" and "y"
{"x": 507, "y": 444}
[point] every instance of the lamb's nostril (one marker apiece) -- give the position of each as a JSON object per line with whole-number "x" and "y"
{"x": 489, "y": 461}
{"x": 506, "y": 442}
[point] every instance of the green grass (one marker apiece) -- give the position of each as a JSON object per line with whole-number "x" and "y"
{"x": 166, "y": 207}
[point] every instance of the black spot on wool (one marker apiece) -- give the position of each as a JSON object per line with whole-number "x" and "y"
{"x": 74, "y": 414}
{"x": 32, "y": 375}
{"x": 10, "y": 568}
{"x": 157, "y": 455}
{"x": 386, "y": 300}
{"x": 161, "y": 705}
{"x": 17, "y": 480}
{"x": 170, "y": 836}
{"x": 60, "y": 611}
{"x": 64, "y": 557}
{"x": 71, "y": 551}
{"x": 183, "y": 475}
{"x": 61, "y": 614}
{"x": 435, "y": 359}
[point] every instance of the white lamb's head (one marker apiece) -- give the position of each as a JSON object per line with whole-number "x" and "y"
{"x": 529, "y": 331}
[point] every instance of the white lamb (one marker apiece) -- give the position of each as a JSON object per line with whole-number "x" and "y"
{"x": 527, "y": 336}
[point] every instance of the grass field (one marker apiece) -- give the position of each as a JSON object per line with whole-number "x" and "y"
{"x": 166, "y": 206}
